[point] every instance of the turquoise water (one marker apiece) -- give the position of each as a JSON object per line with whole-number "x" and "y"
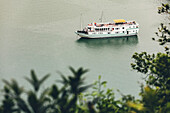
{"x": 39, "y": 35}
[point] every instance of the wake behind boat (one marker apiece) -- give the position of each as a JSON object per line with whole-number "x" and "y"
{"x": 118, "y": 28}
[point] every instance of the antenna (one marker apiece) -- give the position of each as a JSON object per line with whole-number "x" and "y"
{"x": 101, "y": 19}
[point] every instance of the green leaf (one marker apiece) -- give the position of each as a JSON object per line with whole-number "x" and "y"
{"x": 43, "y": 79}
{"x": 104, "y": 82}
{"x": 99, "y": 77}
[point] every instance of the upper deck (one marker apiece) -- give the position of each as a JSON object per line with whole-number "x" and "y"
{"x": 116, "y": 23}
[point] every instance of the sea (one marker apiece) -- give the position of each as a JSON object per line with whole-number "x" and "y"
{"x": 40, "y": 35}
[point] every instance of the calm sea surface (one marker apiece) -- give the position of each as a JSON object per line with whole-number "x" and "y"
{"x": 39, "y": 35}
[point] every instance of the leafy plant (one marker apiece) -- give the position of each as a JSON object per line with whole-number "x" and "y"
{"x": 65, "y": 99}
{"x": 155, "y": 95}
{"x": 53, "y": 99}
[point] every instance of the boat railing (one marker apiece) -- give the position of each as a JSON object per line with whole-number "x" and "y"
{"x": 114, "y": 24}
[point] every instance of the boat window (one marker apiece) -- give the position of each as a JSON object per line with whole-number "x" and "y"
{"x": 116, "y": 32}
{"x": 112, "y": 29}
{"x": 123, "y": 31}
{"x": 96, "y": 29}
{"x": 117, "y": 28}
{"x": 123, "y": 27}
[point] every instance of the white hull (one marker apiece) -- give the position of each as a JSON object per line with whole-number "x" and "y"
{"x": 83, "y": 35}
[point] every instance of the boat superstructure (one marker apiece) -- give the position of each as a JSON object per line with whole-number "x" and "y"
{"x": 117, "y": 28}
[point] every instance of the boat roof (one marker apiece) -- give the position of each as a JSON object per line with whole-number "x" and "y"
{"x": 119, "y": 21}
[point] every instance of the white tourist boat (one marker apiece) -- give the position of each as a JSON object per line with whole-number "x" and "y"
{"x": 117, "y": 28}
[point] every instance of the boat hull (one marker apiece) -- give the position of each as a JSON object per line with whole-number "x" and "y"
{"x": 83, "y": 35}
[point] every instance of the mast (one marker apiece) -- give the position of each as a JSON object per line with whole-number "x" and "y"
{"x": 101, "y": 18}
{"x": 81, "y": 21}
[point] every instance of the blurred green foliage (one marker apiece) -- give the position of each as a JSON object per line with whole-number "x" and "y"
{"x": 155, "y": 96}
{"x": 163, "y": 31}
{"x": 50, "y": 100}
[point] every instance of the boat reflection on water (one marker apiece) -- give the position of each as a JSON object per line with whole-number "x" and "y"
{"x": 132, "y": 40}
